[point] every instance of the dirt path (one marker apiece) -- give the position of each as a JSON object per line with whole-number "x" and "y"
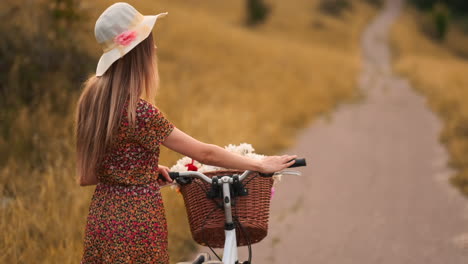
{"x": 376, "y": 188}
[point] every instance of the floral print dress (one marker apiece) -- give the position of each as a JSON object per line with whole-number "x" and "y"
{"x": 126, "y": 221}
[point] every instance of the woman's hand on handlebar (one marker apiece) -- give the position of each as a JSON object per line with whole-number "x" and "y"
{"x": 164, "y": 171}
{"x": 271, "y": 164}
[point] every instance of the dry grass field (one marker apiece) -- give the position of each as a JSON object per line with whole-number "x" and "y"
{"x": 221, "y": 82}
{"x": 438, "y": 69}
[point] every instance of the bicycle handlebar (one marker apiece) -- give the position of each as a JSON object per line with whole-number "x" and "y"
{"x": 196, "y": 174}
{"x": 298, "y": 163}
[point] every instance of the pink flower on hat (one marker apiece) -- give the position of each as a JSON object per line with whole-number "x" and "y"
{"x": 126, "y": 37}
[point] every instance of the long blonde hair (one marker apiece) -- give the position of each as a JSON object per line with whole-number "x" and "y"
{"x": 99, "y": 109}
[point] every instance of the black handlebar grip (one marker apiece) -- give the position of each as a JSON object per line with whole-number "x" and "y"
{"x": 298, "y": 163}
{"x": 173, "y": 175}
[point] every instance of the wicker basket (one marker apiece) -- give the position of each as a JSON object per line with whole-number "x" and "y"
{"x": 207, "y": 219}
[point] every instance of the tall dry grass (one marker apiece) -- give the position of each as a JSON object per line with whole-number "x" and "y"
{"x": 439, "y": 71}
{"x": 220, "y": 82}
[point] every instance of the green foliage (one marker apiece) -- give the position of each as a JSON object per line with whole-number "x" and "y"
{"x": 257, "y": 12}
{"x": 440, "y": 15}
{"x": 459, "y": 7}
{"x": 334, "y": 7}
{"x": 32, "y": 50}
{"x": 375, "y": 2}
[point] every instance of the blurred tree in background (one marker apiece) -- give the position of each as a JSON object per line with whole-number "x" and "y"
{"x": 39, "y": 39}
{"x": 338, "y": 7}
{"x": 375, "y": 2}
{"x": 459, "y": 7}
{"x": 441, "y": 13}
{"x": 334, "y": 7}
{"x": 257, "y": 12}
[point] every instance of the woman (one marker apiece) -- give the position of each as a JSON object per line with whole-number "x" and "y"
{"x": 119, "y": 130}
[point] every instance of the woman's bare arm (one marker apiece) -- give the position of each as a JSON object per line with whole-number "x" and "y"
{"x": 216, "y": 156}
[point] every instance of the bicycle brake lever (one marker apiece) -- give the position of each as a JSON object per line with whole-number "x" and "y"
{"x": 287, "y": 172}
{"x": 294, "y": 173}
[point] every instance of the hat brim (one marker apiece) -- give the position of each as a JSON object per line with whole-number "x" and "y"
{"x": 113, "y": 55}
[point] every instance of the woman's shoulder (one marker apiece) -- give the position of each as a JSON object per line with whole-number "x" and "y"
{"x": 152, "y": 124}
{"x": 145, "y": 107}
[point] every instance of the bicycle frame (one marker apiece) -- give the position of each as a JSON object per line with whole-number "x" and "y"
{"x": 230, "y": 243}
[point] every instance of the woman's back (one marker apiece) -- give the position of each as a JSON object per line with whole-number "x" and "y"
{"x": 133, "y": 157}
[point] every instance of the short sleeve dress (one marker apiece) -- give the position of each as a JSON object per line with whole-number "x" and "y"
{"x": 126, "y": 221}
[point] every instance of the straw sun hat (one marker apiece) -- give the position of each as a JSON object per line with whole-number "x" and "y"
{"x": 118, "y": 30}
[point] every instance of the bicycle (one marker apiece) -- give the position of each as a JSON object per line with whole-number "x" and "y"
{"x": 231, "y": 185}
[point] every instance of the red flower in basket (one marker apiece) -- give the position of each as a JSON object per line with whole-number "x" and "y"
{"x": 191, "y": 166}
